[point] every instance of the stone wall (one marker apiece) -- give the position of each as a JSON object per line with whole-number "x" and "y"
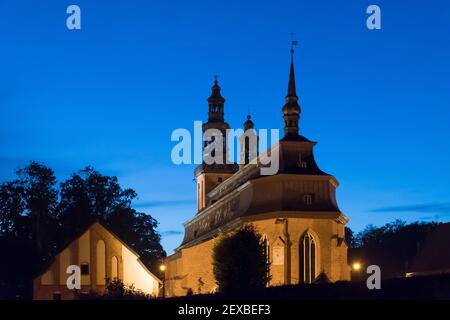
{"x": 194, "y": 263}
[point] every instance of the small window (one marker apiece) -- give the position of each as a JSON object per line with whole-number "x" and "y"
{"x": 56, "y": 295}
{"x": 219, "y": 179}
{"x": 308, "y": 199}
{"x": 84, "y": 269}
{"x": 301, "y": 163}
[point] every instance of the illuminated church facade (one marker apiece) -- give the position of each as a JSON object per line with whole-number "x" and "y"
{"x": 295, "y": 210}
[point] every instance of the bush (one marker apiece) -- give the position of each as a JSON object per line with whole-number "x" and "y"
{"x": 116, "y": 290}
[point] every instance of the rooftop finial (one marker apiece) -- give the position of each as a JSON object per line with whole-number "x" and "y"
{"x": 293, "y": 44}
{"x": 248, "y": 124}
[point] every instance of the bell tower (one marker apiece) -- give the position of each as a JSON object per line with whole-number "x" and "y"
{"x": 209, "y": 176}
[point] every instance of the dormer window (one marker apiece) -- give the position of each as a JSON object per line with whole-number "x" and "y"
{"x": 308, "y": 199}
{"x": 301, "y": 163}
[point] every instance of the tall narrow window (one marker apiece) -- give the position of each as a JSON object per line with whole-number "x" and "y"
{"x": 114, "y": 268}
{"x": 307, "y": 261}
{"x": 84, "y": 268}
{"x": 198, "y": 197}
{"x": 101, "y": 262}
{"x": 266, "y": 245}
{"x": 203, "y": 195}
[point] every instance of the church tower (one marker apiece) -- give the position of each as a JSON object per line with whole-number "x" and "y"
{"x": 208, "y": 176}
{"x": 295, "y": 209}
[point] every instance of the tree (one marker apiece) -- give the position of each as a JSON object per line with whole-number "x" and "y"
{"x": 392, "y": 246}
{"x": 40, "y": 197}
{"x": 88, "y": 196}
{"x": 350, "y": 237}
{"x": 239, "y": 262}
{"x": 12, "y": 205}
{"x": 27, "y": 227}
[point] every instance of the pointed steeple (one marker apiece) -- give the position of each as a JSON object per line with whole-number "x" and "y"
{"x": 292, "y": 92}
{"x": 291, "y": 109}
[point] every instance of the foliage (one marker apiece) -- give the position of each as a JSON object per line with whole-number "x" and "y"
{"x": 37, "y": 219}
{"x": 239, "y": 262}
{"x": 116, "y": 290}
{"x": 350, "y": 237}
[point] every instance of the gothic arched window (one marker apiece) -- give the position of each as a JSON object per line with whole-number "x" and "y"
{"x": 101, "y": 262}
{"x": 114, "y": 268}
{"x": 307, "y": 261}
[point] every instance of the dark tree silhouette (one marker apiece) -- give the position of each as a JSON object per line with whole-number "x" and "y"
{"x": 239, "y": 262}
{"x": 40, "y": 197}
{"x": 350, "y": 237}
{"x": 27, "y": 227}
{"x": 392, "y": 246}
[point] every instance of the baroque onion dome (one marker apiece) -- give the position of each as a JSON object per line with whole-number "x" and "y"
{"x": 215, "y": 103}
{"x": 291, "y": 108}
{"x": 216, "y": 120}
{"x": 248, "y": 124}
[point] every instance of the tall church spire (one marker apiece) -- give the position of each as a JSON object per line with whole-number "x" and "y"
{"x": 291, "y": 85}
{"x": 291, "y": 109}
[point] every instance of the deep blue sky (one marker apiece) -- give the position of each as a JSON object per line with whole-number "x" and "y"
{"x": 378, "y": 102}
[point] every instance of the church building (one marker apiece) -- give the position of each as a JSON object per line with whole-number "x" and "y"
{"x": 295, "y": 210}
{"x": 100, "y": 255}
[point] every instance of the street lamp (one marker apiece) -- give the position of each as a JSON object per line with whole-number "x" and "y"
{"x": 356, "y": 266}
{"x": 163, "y": 269}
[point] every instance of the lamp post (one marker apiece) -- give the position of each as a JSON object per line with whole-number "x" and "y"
{"x": 163, "y": 269}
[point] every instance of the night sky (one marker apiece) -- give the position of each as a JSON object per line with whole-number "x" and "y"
{"x": 110, "y": 94}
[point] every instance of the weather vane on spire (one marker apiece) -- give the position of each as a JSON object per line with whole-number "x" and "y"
{"x": 293, "y": 42}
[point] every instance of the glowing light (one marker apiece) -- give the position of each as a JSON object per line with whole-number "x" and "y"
{"x": 162, "y": 267}
{"x": 356, "y": 266}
